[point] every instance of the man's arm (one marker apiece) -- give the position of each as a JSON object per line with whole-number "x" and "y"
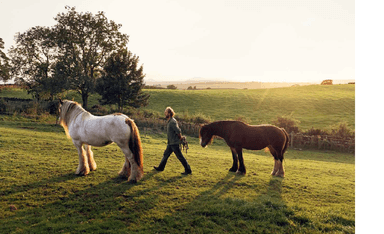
{"x": 175, "y": 127}
{"x": 177, "y": 130}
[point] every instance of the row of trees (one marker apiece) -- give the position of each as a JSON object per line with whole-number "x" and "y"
{"x": 4, "y": 63}
{"x": 82, "y": 52}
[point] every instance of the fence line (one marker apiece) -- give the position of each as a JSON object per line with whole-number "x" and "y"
{"x": 322, "y": 142}
{"x": 297, "y": 140}
{"x": 160, "y": 124}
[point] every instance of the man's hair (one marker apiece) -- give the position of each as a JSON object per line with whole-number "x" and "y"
{"x": 170, "y": 111}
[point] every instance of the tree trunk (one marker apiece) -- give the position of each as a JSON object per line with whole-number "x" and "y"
{"x": 84, "y": 96}
{"x": 120, "y": 104}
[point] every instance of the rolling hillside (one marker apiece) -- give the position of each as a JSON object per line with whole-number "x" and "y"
{"x": 315, "y": 106}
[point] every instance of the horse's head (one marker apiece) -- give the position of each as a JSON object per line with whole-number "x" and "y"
{"x": 67, "y": 111}
{"x": 63, "y": 109}
{"x": 205, "y": 136}
{"x": 66, "y": 107}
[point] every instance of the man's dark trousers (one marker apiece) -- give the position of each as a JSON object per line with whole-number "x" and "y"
{"x": 173, "y": 149}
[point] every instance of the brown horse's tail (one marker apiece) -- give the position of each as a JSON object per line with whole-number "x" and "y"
{"x": 135, "y": 143}
{"x": 286, "y": 142}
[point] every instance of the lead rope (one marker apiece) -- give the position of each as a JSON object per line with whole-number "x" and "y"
{"x": 184, "y": 143}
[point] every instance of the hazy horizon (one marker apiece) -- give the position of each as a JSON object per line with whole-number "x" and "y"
{"x": 202, "y": 79}
{"x": 245, "y": 40}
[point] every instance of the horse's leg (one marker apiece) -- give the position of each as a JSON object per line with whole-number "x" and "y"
{"x": 281, "y": 172}
{"x": 126, "y": 169}
{"x": 130, "y": 165}
{"x": 278, "y": 155}
{"x": 91, "y": 160}
{"x": 235, "y": 161}
{"x": 83, "y": 168}
{"x": 241, "y": 170}
{"x": 274, "y": 154}
{"x": 275, "y": 167}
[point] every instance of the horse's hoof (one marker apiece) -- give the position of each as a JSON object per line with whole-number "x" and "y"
{"x": 240, "y": 172}
{"x": 233, "y": 170}
{"x": 132, "y": 181}
{"x": 280, "y": 175}
{"x": 123, "y": 176}
{"x": 81, "y": 173}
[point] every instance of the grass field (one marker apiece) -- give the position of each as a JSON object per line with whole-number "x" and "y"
{"x": 315, "y": 106}
{"x": 39, "y": 192}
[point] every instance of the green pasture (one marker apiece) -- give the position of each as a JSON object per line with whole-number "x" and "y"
{"x": 314, "y": 106}
{"x": 39, "y": 192}
{"x": 15, "y": 93}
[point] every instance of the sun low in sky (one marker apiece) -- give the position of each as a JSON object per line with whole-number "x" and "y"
{"x": 246, "y": 40}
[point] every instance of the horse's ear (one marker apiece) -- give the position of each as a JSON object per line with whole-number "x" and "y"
{"x": 61, "y": 101}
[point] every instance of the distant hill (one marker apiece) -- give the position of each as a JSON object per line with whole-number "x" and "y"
{"x": 315, "y": 106}
{"x": 204, "y": 84}
{"x": 318, "y": 106}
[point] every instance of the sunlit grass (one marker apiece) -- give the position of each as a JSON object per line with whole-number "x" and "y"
{"x": 315, "y": 106}
{"x": 39, "y": 192}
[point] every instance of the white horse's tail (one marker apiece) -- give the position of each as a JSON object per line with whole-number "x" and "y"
{"x": 135, "y": 144}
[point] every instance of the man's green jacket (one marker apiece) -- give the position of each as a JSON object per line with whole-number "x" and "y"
{"x": 173, "y": 131}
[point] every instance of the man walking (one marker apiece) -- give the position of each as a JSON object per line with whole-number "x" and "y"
{"x": 173, "y": 145}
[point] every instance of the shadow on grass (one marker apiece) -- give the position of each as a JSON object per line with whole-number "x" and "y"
{"x": 111, "y": 205}
{"x": 41, "y": 183}
{"x": 212, "y": 211}
{"x": 116, "y": 206}
{"x": 311, "y": 155}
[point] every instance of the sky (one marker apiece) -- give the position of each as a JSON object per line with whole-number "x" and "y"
{"x": 243, "y": 40}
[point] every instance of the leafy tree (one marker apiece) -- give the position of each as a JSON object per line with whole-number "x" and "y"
{"x": 33, "y": 62}
{"x": 85, "y": 41}
{"x": 122, "y": 81}
{"x": 4, "y": 64}
{"x": 171, "y": 87}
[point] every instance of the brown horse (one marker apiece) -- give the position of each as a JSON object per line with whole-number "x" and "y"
{"x": 239, "y": 136}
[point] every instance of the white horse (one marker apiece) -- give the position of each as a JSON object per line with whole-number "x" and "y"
{"x": 89, "y": 130}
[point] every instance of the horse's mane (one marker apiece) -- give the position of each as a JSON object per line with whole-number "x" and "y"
{"x": 69, "y": 110}
{"x": 217, "y": 129}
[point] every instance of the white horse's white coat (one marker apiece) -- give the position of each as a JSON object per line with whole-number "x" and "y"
{"x": 89, "y": 130}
